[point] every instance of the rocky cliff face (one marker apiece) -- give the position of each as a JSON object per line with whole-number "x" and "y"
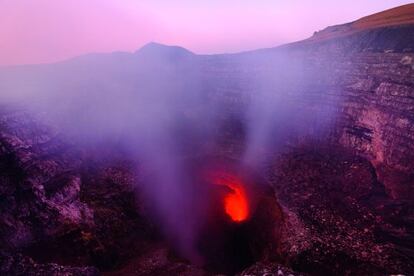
{"x": 375, "y": 74}
{"x": 54, "y": 201}
{"x": 40, "y": 185}
{"x": 364, "y": 82}
{"x": 377, "y": 120}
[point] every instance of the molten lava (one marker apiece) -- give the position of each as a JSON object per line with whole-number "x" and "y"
{"x": 235, "y": 202}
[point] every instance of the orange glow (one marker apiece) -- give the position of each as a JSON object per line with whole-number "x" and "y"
{"x": 235, "y": 202}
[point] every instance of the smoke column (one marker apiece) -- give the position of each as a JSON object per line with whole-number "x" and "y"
{"x": 156, "y": 104}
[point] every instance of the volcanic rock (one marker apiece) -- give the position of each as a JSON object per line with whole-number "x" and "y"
{"x": 20, "y": 265}
{"x": 39, "y": 183}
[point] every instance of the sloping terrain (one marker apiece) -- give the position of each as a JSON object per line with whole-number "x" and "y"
{"x": 403, "y": 15}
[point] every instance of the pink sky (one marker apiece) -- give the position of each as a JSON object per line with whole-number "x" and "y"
{"x": 39, "y": 31}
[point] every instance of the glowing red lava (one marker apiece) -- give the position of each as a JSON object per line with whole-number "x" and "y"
{"x": 235, "y": 202}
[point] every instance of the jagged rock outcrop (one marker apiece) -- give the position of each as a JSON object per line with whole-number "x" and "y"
{"x": 53, "y": 201}
{"x": 40, "y": 186}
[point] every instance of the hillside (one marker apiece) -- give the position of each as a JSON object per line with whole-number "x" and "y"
{"x": 403, "y": 15}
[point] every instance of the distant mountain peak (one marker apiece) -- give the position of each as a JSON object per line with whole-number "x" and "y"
{"x": 161, "y": 50}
